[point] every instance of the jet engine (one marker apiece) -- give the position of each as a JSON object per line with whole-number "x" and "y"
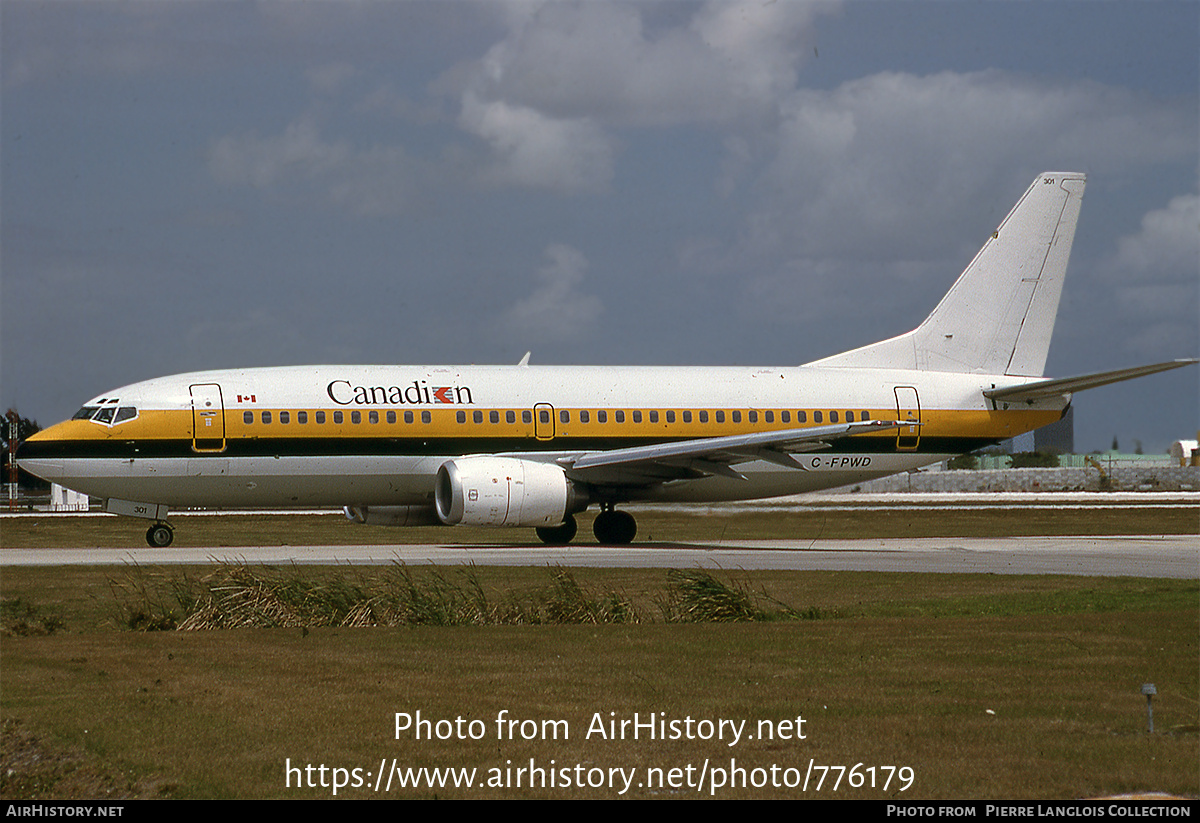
{"x": 393, "y": 515}
{"x": 505, "y": 491}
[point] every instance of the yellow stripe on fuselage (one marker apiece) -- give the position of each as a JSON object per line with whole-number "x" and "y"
{"x": 444, "y": 423}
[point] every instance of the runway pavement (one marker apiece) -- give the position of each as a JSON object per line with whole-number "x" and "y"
{"x": 1137, "y": 556}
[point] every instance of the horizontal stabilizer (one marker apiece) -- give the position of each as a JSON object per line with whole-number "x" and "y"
{"x": 1042, "y": 389}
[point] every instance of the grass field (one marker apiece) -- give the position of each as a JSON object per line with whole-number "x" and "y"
{"x": 52, "y": 531}
{"x": 984, "y": 686}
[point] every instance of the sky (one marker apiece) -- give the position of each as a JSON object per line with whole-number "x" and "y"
{"x": 198, "y": 185}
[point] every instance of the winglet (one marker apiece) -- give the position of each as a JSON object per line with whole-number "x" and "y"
{"x": 525, "y": 360}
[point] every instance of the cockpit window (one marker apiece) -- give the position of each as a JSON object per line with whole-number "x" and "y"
{"x": 107, "y": 415}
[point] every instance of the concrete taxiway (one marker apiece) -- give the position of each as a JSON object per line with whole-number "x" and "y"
{"x": 1175, "y": 556}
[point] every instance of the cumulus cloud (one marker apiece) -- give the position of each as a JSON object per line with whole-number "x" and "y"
{"x": 1168, "y": 243}
{"x": 264, "y": 161}
{"x": 329, "y": 78}
{"x": 876, "y": 152}
{"x": 1157, "y": 294}
{"x": 728, "y": 60}
{"x": 371, "y": 181}
{"x": 556, "y": 311}
{"x": 535, "y": 150}
{"x": 547, "y": 97}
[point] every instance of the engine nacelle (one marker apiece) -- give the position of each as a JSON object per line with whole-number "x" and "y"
{"x": 504, "y": 491}
{"x": 393, "y": 515}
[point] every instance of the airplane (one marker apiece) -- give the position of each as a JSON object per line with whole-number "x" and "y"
{"x": 523, "y": 445}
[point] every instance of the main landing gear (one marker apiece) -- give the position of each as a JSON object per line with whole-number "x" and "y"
{"x": 611, "y": 527}
{"x": 614, "y": 528}
{"x": 558, "y": 535}
{"x": 160, "y": 535}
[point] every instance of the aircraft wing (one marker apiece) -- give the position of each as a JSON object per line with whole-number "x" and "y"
{"x": 1041, "y": 389}
{"x": 690, "y": 459}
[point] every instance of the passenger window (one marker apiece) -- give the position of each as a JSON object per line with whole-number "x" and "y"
{"x": 356, "y": 417}
{"x": 373, "y": 417}
{"x": 510, "y": 416}
{"x": 654, "y": 417}
{"x": 493, "y": 416}
{"x": 526, "y": 416}
{"x": 785, "y": 417}
{"x": 584, "y": 417}
{"x": 248, "y": 417}
{"x": 425, "y": 417}
{"x": 544, "y": 416}
{"x": 266, "y": 417}
{"x": 769, "y": 416}
{"x": 864, "y": 416}
{"x": 601, "y": 416}
{"x": 460, "y": 416}
{"x": 321, "y": 417}
{"x": 753, "y": 417}
{"x": 620, "y": 414}
{"x": 477, "y": 416}
{"x": 737, "y": 417}
{"x": 408, "y": 417}
{"x": 285, "y": 417}
{"x": 817, "y": 417}
{"x": 637, "y": 417}
{"x": 670, "y": 417}
{"x": 833, "y": 417}
{"x": 301, "y": 417}
{"x": 801, "y": 417}
{"x": 720, "y": 417}
{"x": 687, "y": 417}
{"x": 564, "y": 416}
{"x": 849, "y": 417}
{"x": 391, "y": 416}
{"x": 337, "y": 417}
{"x": 703, "y": 417}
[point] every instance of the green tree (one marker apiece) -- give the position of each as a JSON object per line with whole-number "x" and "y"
{"x": 964, "y": 461}
{"x": 1033, "y": 460}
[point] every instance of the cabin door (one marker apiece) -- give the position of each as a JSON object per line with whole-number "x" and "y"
{"x": 908, "y": 409}
{"x": 208, "y": 418}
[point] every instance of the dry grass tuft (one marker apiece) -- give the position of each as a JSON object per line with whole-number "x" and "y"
{"x": 242, "y": 596}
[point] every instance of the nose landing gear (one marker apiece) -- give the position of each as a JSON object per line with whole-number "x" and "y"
{"x": 160, "y": 535}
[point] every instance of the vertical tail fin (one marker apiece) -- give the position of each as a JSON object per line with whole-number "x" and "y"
{"x": 998, "y": 316}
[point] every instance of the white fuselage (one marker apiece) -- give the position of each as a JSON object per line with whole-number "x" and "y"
{"x": 376, "y": 435}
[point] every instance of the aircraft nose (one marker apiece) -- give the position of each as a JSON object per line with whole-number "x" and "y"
{"x": 33, "y": 456}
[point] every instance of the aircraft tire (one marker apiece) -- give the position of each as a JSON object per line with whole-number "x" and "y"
{"x": 614, "y": 528}
{"x": 160, "y": 535}
{"x": 559, "y": 535}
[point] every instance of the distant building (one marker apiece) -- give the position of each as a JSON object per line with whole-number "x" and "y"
{"x": 1057, "y": 437}
{"x": 66, "y": 500}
